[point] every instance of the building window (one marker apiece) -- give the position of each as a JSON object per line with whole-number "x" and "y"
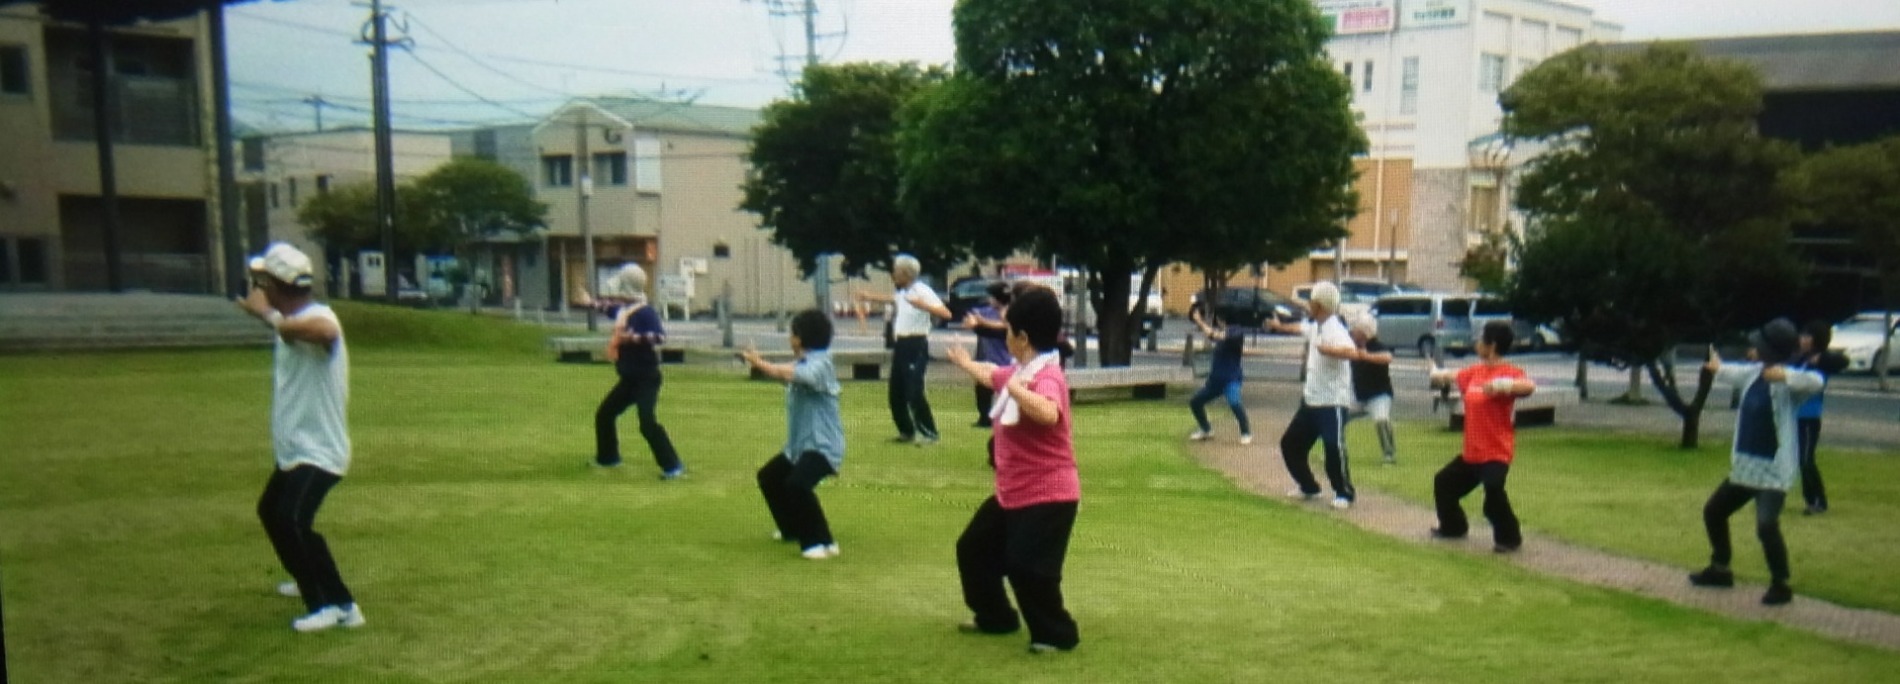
{"x": 323, "y": 184}
{"x": 1408, "y": 86}
{"x": 646, "y": 162}
{"x": 610, "y": 168}
{"x": 14, "y": 77}
{"x": 32, "y": 254}
{"x": 273, "y": 195}
{"x": 557, "y": 170}
{"x": 1368, "y": 77}
{"x": 1490, "y": 72}
{"x": 290, "y": 188}
{"x": 721, "y": 250}
{"x": 1349, "y": 75}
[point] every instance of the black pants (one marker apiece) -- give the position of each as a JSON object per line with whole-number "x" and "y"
{"x": 1457, "y": 479}
{"x": 789, "y": 491}
{"x": 1311, "y": 424}
{"x": 634, "y": 389}
{"x": 985, "y": 397}
{"x": 1728, "y": 499}
{"x": 1808, "y": 434}
{"x": 1027, "y": 547}
{"x": 289, "y": 510}
{"x": 910, "y": 409}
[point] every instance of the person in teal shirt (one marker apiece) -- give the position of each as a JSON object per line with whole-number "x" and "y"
{"x": 814, "y": 437}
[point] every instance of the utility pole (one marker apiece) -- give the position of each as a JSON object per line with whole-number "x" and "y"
{"x": 584, "y": 186}
{"x": 378, "y": 39}
{"x": 318, "y": 103}
{"x": 821, "y": 278}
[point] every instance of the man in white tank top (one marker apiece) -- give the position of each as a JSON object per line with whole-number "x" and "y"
{"x": 309, "y": 432}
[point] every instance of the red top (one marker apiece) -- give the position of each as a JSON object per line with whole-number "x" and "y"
{"x": 1035, "y": 464}
{"x": 1490, "y": 432}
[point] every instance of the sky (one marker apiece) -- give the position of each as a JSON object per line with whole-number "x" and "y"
{"x": 479, "y": 62}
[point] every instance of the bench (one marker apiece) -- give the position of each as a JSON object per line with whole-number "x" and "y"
{"x": 593, "y": 349}
{"x": 1540, "y": 408}
{"x": 865, "y": 365}
{"x": 1147, "y": 382}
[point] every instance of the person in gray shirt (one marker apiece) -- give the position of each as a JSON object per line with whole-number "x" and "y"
{"x": 814, "y": 437}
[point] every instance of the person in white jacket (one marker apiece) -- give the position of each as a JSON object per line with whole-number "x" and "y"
{"x": 1765, "y": 459}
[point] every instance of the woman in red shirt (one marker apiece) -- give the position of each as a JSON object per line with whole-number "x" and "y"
{"x": 1022, "y": 532}
{"x": 1490, "y": 391}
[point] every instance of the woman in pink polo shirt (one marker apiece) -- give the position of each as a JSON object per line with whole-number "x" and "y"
{"x": 1022, "y": 532}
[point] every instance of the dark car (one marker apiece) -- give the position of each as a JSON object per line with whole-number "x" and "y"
{"x": 1252, "y": 308}
{"x": 965, "y": 294}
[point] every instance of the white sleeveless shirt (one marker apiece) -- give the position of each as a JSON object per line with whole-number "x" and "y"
{"x": 310, "y": 399}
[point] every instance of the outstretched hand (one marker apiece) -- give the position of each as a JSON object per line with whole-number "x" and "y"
{"x": 957, "y": 354}
{"x": 1715, "y": 361}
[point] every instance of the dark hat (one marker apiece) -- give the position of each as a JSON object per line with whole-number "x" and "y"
{"x": 1776, "y": 342}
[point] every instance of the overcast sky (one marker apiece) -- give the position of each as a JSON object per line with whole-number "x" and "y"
{"x": 509, "y": 60}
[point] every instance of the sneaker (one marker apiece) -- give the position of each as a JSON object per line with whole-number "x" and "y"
{"x": 970, "y": 627}
{"x": 1778, "y": 594}
{"x": 1301, "y": 494}
{"x": 319, "y": 620}
{"x": 352, "y": 617}
{"x": 1441, "y": 534}
{"x": 924, "y": 441}
{"x": 1342, "y": 503}
{"x": 1712, "y": 577}
{"x": 1814, "y": 510}
{"x": 1505, "y": 548}
{"x": 981, "y": 425}
{"x": 1246, "y": 440}
{"x": 1199, "y": 436}
{"x": 288, "y": 588}
{"x": 673, "y": 474}
{"x": 1390, "y": 460}
{"x": 903, "y": 439}
{"x": 606, "y": 464}
{"x": 1041, "y": 648}
{"x": 820, "y": 552}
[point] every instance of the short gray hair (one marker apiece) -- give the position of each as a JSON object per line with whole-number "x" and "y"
{"x": 905, "y": 263}
{"x": 1365, "y": 324}
{"x": 1325, "y": 295}
{"x": 629, "y": 281}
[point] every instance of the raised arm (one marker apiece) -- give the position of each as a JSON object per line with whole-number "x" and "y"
{"x": 979, "y": 371}
{"x": 1037, "y": 408}
{"x": 781, "y": 372}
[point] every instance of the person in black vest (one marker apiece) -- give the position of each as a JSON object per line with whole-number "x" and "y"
{"x": 1372, "y": 382}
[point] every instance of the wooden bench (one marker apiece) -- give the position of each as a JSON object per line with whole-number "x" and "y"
{"x": 1147, "y": 382}
{"x": 1540, "y": 408}
{"x": 593, "y": 349}
{"x": 865, "y": 365}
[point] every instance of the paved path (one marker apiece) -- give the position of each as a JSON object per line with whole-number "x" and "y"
{"x": 1259, "y": 469}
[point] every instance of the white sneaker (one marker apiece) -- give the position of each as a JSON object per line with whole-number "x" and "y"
{"x": 1297, "y": 493}
{"x": 820, "y": 552}
{"x": 288, "y": 588}
{"x": 1246, "y": 440}
{"x": 1342, "y": 503}
{"x": 324, "y": 618}
{"x": 1199, "y": 436}
{"x": 353, "y": 617}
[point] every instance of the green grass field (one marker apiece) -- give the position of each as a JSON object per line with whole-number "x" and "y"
{"x": 483, "y": 548}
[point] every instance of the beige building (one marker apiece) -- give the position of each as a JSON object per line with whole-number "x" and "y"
{"x": 52, "y": 234}
{"x": 662, "y": 189}
{"x": 282, "y": 172}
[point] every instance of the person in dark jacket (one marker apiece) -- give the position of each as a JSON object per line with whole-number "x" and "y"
{"x": 1224, "y": 377}
{"x": 634, "y": 349}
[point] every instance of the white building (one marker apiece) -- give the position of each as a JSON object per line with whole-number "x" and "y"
{"x": 1425, "y": 80}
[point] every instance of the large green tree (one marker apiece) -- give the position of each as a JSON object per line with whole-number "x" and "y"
{"x": 824, "y": 169}
{"x": 1856, "y": 189}
{"x": 1119, "y": 135}
{"x": 1657, "y": 214}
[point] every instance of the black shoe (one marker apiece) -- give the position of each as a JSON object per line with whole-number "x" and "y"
{"x": 1505, "y": 548}
{"x": 1814, "y": 509}
{"x": 1778, "y": 594}
{"x": 1712, "y": 577}
{"x": 983, "y": 424}
{"x": 970, "y": 627}
{"x": 1441, "y": 534}
{"x": 903, "y": 439}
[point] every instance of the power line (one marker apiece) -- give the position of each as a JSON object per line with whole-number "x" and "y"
{"x": 476, "y": 60}
{"x": 471, "y": 92}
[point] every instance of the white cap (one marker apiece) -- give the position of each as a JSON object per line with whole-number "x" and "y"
{"x": 287, "y": 264}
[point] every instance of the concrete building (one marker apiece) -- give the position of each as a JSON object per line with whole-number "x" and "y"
{"x": 51, "y": 226}
{"x": 281, "y": 172}
{"x": 660, "y": 182}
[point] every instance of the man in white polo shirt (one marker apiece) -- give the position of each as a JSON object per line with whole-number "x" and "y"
{"x": 309, "y": 432}
{"x": 1324, "y": 400}
{"x": 917, "y": 308}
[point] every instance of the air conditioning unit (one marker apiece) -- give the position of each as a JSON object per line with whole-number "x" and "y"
{"x": 693, "y": 266}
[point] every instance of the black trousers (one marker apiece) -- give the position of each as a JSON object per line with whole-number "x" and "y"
{"x": 1808, "y": 434}
{"x": 640, "y": 389}
{"x": 1729, "y": 498}
{"x": 1326, "y": 424}
{"x": 789, "y": 491}
{"x": 289, "y": 510}
{"x": 910, "y": 409}
{"x": 985, "y": 397}
{"x": 1027, "y": 547}
{"x": 1457, "y": 479}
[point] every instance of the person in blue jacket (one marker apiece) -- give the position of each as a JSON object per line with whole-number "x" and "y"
{"x": 1223, "y": 377}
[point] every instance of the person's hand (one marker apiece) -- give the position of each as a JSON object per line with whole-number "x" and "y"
{"x": 1775, "y": 373}
{"x": 957, "y": 354}
{"x": 255, "y": 303}
{"x": 1715, "y": 361}
{"x": 970, "y": 321}
{"x": 750, "y": 354}
{"x": 1501, "y": 386}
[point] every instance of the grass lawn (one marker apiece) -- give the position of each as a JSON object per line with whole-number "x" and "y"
{"x": 1640, "y": 495}
{"x": 483, "y": 548}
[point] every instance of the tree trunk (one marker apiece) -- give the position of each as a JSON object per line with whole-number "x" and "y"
{"x": 1111, "y": 317}
{"x": 1583, "y": 376}
{"x": 1691, "y": 411}
{"x": 1881, "y": 359}
{"x": 1634, "y": 394}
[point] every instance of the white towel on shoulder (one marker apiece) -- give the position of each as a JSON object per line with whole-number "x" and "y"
{"x": 1005, "y": 410}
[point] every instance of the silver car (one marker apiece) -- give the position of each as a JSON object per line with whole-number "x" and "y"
{"x": 1427, "y": 322}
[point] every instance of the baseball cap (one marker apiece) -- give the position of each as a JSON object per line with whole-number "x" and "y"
{"x": 287, "y": 264}
{"x": 1776, "y": 342}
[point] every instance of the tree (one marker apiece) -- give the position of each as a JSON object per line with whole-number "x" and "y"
{"x": 466, "y": 201}
{"x": 1857, "y": 189}
{"x": 824, "y": 169}
{"x": 1657, "y": 215}
{"x": 1118, "y": 136}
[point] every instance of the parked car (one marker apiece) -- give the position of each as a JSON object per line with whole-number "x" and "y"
{"x": 1427, "y": 322}
{"x": 1252, "y": 308}
{"x": 1526, "y": 334}
{"x": 965, "y": 294}
{"x": 1859, "y": 338}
